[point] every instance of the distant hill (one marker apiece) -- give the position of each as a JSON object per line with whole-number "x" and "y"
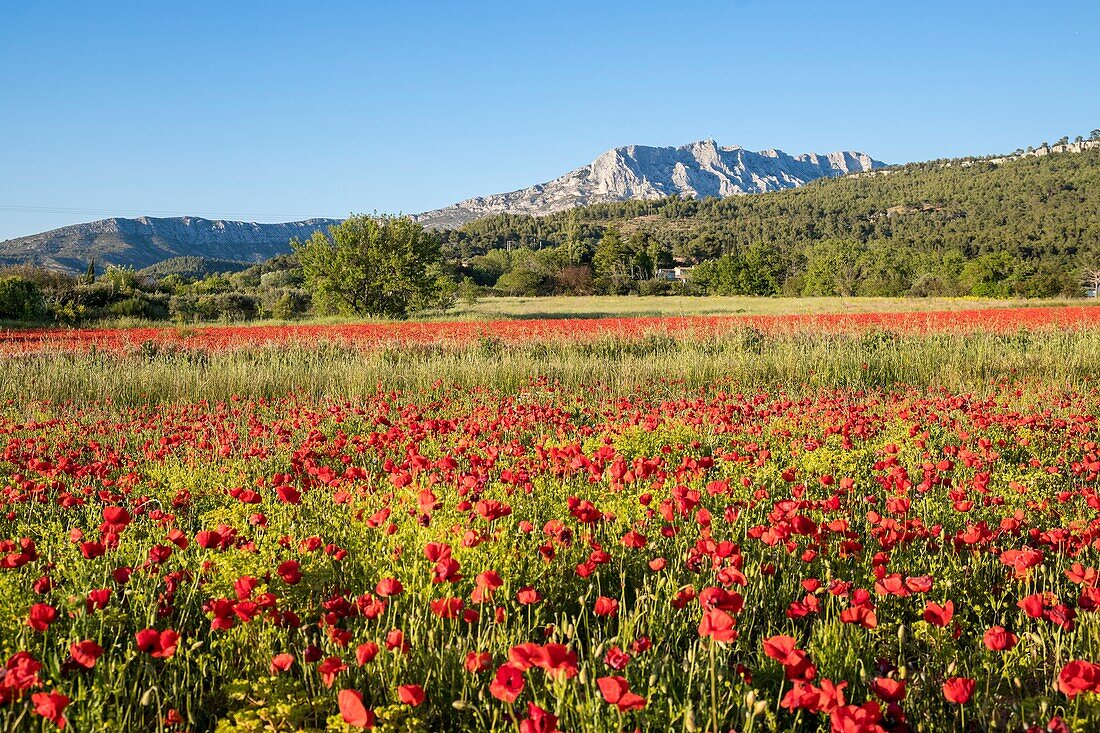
{"x": 1027, "y": 205}
{"x": 145, "y": 241}
{"x": 640, "y": 172}
{"x": 193, "y": 267}
{"x": 1023, "y": 225}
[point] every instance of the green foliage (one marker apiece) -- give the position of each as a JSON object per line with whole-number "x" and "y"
{"x": 523, "y": 280}
{"x": 907, "y": 230}
{"x": 193, "y": 267}
{"x": 21, "y": 300}
{"x": 290, "y": 303}
{"x": 758, "y": 270}
{"x": 611, "y": 263}
{"x": 372, "y": 266}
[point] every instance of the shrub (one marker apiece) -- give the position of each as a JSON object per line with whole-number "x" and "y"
{"x": 21, "y": 300}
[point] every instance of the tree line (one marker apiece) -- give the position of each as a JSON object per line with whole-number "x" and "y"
{"x": 1028, "y": 228}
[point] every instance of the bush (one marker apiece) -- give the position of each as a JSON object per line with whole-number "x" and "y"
{"x": 290, "y": 304}
{"x": 21, "y": 300}
{"x": 655, "y": 287}
{"x": 522, "y": 281}
{"x": 141, "y": 305}
{"x": 237, "y": 306}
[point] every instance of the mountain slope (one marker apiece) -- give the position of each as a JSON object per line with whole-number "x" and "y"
{"x": 639, "y": 172}
{"x": 1012, "y": 226}
{"x": 146, "y": 241}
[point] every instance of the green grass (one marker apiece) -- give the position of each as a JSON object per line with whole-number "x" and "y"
{"x": 745, "y": 358}
{"x": 624, "y": 306}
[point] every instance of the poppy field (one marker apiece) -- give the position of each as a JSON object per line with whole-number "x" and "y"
{"x": 558, "y": 330}
{"x": 844, "y": 546}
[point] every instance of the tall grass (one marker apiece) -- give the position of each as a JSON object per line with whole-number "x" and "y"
{"x": 747, "y": 358}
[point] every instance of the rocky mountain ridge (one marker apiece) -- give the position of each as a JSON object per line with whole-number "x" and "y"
{"x": 697, "y": 170}
{"x": 145, "y": 241}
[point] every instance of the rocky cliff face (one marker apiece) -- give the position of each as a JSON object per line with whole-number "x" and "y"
{"x": 640, "y": 172}
{"x": 145, "y": 241}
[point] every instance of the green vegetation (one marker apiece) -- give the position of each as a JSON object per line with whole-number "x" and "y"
{"x": 192, "y": 267}
{"x": 373, "y": 266}
{"x": 746, "y": 358}
{"x": 273, "y": 289}
{"x": 20, "y": 299}
{"x": 1023, "y": 228}
{"x": 658, "y": 306}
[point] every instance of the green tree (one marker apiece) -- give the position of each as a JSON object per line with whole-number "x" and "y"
{"x": 835, "y": 267}
{"x": 575, "y": 249}
{"x": 523, "y": 280}
{"x": 990, "y": 276}
{"x": 372, "y": 266}
{"x": 21, "y": 300}
{"x": 610, "y": 262}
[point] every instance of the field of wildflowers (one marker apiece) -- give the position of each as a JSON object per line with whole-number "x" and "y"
{"x": 844, "y": 546}
{"x": 512, "y": 332}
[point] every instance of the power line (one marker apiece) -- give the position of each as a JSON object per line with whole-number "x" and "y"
{"x": 23, "y": 208}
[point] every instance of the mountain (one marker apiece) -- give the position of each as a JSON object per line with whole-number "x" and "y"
{"x": 635, "y": 172}
{"x": 640, "y": 172}
{"x": 145, "y": 241}
{"x": 1023, "y": 225}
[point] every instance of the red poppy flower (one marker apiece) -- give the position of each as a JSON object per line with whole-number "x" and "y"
{"x": 158, "y": 644}
{"x": 888, "y": 690}
{"x": 781, "y": 649}
{"x": 477, "y": 662}
{"x": 289, "y": 572}
{"x": 97, "y": 599}
{"x": 557, "y": 660}
{"x": 330, "y": 669}
{"x": 718, "y": 625}
{"x": 938, "y": 615}
{"x": 527, "y": 596}
{"x": 289, "y": 494}
{"x": 85, "y": 653}
{"x": 353, "y": 711}
{"x": 958, "y": 689}
{"x": 388, "y": 587}
{"x": 365, "y": 652}
{"x": 999, "y": 639}
{"x": 281, "y": 663}
{"x": 41, "y": 616}
{"x": 856, "y": 718}
{"x": 507, "y": 684}
{"x": 616, "y": 691}
{"x": 1079, "y": 676}
{"x": 538, "y": 721}
{"x": 395, "y": 641}
{"x": 410, "y": 694}
{"x": 616, "y": 658}
{"x": 605, "y": 606}
{"x": 51, "y": 706}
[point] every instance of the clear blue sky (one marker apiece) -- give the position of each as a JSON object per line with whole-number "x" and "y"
{"x": 272, "y": 111}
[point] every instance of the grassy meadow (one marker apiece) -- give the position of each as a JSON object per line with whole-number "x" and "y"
{"x": 865, "y": 531}
{"x": 632, "y": 306}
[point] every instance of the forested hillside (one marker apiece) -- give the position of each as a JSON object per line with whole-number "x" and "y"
{"x": 1022, "y": 227}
